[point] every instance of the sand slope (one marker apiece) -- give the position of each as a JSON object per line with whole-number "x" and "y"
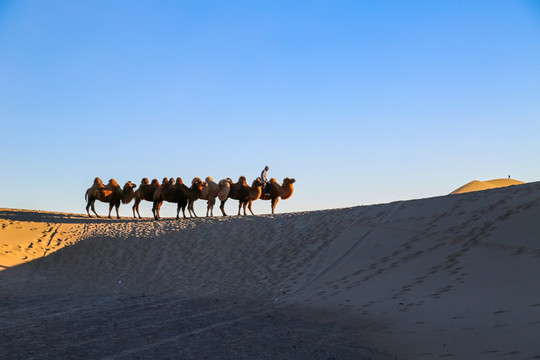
{"x": 477, "y": 185}
{"x": 453, "y": 276}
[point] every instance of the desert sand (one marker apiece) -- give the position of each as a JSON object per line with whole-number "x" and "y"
{"x": 452, "y": 276}
{"x": 477, "y": 185}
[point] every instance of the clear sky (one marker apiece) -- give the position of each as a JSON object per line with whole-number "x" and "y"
{"x": 361, "y": 102}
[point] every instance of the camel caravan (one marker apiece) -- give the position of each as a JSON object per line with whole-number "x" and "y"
{"x": 175, "y": 191}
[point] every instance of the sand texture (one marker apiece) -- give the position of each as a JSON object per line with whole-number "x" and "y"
{"x": 447, "y": 277}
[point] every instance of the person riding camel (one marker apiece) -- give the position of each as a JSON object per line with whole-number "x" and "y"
{"x": 264, "y": 179}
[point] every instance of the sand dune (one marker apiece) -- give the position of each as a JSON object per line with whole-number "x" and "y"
{"x": 452, "y": 276}
{"x": 477, "y": 185}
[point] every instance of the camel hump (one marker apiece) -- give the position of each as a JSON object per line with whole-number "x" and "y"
{"x": 242, "y": 180}
{"x": 155, "y": 182}
{"x": 273, "y": 180}
{"x": 224, "y": 182}
{"x": 179, "y": 180}
{"x": 209, "y": 179}
{"x": 98, "y": 182}
{"x": 145, "y": 181}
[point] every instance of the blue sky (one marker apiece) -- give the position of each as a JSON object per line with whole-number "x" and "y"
{"x": 361, "y": 102}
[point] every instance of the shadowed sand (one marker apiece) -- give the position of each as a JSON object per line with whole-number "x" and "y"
{"x": 452, "y": 276}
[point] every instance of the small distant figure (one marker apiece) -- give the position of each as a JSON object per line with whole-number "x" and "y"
{"x": 509, "y": 176}
{"x": 264, "y": 179}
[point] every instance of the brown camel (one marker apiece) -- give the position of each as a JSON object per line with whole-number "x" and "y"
{"x": 162, "y": 192}
{"x": 144, "y": 192}
{"x": 209, "y": 192}
{"x": 277, "y": 191}
{"x": 240, "y": 191}
{"x": 178, "y": 193}
{"x": 111, "y": 194}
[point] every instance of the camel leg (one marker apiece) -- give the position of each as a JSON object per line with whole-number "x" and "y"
{"x": 244, "y": 204}
{"x": 117, "y": 214}
{"x": 155, "y": 209}
{"x": 91, "y": 205}
{"x": 222, "y": 207}
{"x": 136, "y": 207}
{"x": 178, "y": 207}
{"x": 184, "y": 211}
{"x": 249, "y": 207}
{"x": 191, "y": 209}
{"x": 239, "y": 207}
{"x": 87, "y": 209}
{"x": 159, "y": 208}
{"x": 111, "y": 205}
{"x": 210, "y": 206}
{"x": 94, "y": 209}
{"x": 274, "y": 203}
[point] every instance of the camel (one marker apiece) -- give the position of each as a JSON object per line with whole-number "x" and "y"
{"x": 240, "y": 191}
{"x": 111, "y": 193}
{"x": 209, "y": 192}
{"x": 163, "y": 191}
{"x": 178, "y": 193}
{"x": 144, "y": 192}
{"x": 192, "y": 194}
{"x": 277, "y": 191}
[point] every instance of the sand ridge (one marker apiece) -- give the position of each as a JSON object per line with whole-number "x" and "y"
{"x": 477, "y": 185}
{"x": 452, "y": 276}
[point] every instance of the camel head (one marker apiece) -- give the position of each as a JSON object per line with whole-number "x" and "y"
{"x": 171, "y": 181}
{"x": 257, "y": 182}
{"x": 197, "y": 183}
{"x": 145, "y": 181}
{"x": 288, "y": 181}
{"x": 196, "y": 180}
{"x": 129, "y": 185}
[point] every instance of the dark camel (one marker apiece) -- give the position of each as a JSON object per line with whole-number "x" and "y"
{"x": 180, "y": 194}
{"x": 111, "y": 194}
{"x": 144, "y": 192}
{"x": 240, "y": 191}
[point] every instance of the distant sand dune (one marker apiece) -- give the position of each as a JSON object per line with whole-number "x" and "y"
{"x": 451, "y": 276}
{"x": 485, "y": 185}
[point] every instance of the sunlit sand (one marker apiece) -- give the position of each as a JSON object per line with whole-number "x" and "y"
{"x": 477, "y": 185}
